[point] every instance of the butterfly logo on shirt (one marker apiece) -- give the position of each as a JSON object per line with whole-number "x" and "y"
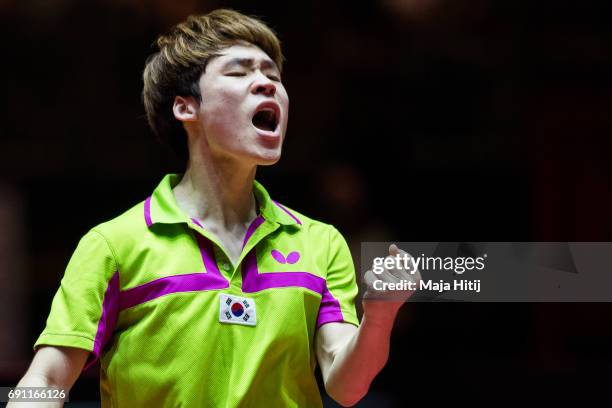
{"x": 291, "y": 258}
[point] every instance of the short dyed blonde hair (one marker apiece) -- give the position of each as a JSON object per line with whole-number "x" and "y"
{"x": 183, "y": 54}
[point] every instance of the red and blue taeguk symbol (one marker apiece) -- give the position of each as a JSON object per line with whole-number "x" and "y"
{"x": 237, "y": 309}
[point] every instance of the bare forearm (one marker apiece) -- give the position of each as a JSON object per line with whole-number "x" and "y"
{"x": 359, "y": 361}
{"x": 57, "y": 367}
{"x": 349, "y": 368}
{"x": 35, "y": 380}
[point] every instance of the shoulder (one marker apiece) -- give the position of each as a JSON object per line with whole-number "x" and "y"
{"x": 305, "y": 221}
{"x": 130, "y": 220}
{"x": 288, "y": 216}
{"x": 315, "y": 229}
{"x": 128, "y": 227}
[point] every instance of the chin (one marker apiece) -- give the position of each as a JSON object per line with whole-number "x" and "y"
{"x": 268, "y": 161}
{"x": 268, "y": 158}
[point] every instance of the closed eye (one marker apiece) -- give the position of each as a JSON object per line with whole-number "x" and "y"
{"x": 236, "y": 74}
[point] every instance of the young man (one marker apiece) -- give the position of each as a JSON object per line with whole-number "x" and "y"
{"x": 209, "y": 293}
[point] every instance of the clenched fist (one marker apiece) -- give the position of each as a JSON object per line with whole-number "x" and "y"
{"x": 390, "y": 283}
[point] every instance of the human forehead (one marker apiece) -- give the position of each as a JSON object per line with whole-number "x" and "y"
{"x": 245, "y": 55}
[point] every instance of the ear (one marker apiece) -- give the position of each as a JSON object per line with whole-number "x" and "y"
{"x": 185, "y": 109}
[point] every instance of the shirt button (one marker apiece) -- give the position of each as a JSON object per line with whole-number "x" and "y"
{"x": 226, "y": 266}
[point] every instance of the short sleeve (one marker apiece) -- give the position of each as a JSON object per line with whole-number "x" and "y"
{"x": 338, "y": 301}
{"x": 84, "y": 309}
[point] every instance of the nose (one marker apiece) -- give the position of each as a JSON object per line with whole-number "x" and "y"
{"x": 263, "y": 85}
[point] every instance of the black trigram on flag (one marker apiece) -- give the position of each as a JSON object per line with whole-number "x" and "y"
{"x": 246, "y": 317}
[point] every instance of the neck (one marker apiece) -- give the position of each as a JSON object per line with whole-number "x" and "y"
{"x": 217, "y": 192}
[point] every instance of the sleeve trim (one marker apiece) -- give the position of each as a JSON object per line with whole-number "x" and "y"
{"x": 65, "y": 340}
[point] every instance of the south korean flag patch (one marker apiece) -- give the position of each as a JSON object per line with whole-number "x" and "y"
{"x": 237, "y": 310}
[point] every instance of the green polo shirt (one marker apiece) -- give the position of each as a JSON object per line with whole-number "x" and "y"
{"x": 153, "y": 295}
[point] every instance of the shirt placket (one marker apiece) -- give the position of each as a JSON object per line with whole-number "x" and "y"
{"x": 222, "y": 261}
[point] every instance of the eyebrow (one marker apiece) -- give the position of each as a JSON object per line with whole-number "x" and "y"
{"x": 249, "y": 62}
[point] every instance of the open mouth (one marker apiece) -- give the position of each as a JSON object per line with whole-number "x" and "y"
{"x": 266, "y": 119}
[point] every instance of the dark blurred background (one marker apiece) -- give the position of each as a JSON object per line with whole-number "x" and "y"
{"x": 411, "y": 120}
